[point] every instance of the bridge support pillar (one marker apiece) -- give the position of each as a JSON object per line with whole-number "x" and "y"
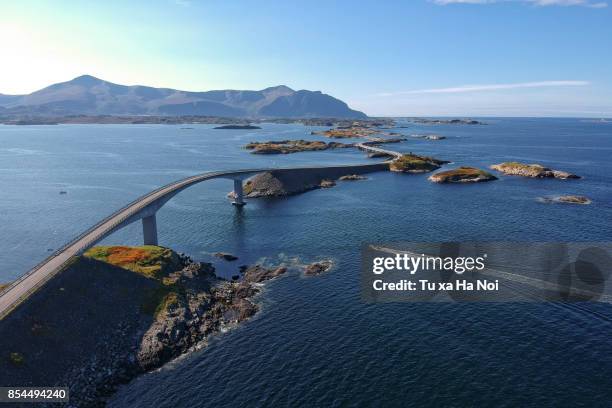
{"x": 149, "y": 230}
{"x": 238, "y": 194}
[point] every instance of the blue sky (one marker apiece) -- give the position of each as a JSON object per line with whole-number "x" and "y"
{"x": 417, "y": 57}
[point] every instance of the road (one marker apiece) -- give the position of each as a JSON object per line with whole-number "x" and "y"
{"x": 22, "y": 288}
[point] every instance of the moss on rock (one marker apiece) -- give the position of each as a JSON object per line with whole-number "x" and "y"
{"x": 148, "y": 260}
{"x": 413, "y": 163}
{"x": 462, "y": 175}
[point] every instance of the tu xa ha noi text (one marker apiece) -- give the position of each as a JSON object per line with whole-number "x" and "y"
{"x": 405, "y": 263}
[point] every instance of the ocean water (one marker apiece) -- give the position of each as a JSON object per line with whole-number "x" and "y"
{"x": 315, "y": 343}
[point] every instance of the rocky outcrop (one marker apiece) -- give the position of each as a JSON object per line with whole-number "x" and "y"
{"x": 327, "y": 183}
{"x": 259, "y": 273}
{"x": 348, "y": 132}
{"x": 317, "y": 268}
{"x": 225, "y": 256}
{"x": 279, "y": 183}
{"x": 237, "y": 127}
{"x": 532, "y": 170}
{"x": 429, "y": 137}
{"x": 380, "y": 140}
{"x": 97, "y": 325}
{"x": 412, "y": 163}
{"x": 426, "y": 121}
{"x": 352, "y": 177}
{"x": 568, "y": 199}
{"x": 292, "y": 146}
{"x": 462, "y": 175}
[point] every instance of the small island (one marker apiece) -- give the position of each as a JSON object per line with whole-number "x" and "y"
{"x": 238, "y": 127}
{"x": 532, "y": 170}
{"x": 429, "y": 137}
{"x": 352, "y": 177}
{"x": 462, "y": 175}
{"x": 426, "y": 121}
{"x": 359, "y": 131}
{"x": 568, "y": 199}
{"x": 292, "y": 146}
{"x": 412, "y": 163}
{"x": 317, "y": 268}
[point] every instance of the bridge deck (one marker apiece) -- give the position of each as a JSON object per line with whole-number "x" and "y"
{"x": 22, "y": 288}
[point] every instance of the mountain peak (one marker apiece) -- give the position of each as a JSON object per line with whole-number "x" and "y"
{"x": 281, "y": 88}
{"x": 86, "y": 80}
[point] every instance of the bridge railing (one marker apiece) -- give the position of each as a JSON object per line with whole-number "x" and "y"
{"x": 98, "y": 224}
{"x": 176, "y": 184}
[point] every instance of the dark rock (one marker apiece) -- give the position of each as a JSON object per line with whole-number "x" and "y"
{"x": 259, "y": 273}
{"x": 352, "y": 177}
{"x": 225, "y": 256}
{"x": 317, "y": 268}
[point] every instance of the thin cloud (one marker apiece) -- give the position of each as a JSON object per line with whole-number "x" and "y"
{"x": 488, "y": 87}
{"x": 542, "y": 3}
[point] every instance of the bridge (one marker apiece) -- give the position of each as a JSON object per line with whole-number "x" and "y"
{"x": 144, "y": 209}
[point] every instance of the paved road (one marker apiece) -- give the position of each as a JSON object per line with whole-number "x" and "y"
{"x": 23, "y": 287}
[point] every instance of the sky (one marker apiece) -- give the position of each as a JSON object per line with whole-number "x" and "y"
{"x": 386, "y": 58}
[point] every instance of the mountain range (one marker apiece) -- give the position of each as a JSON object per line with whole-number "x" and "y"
{"x": 87, "y": 95}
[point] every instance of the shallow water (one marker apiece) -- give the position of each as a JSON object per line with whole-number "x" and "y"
{"x": 315, "y": 342}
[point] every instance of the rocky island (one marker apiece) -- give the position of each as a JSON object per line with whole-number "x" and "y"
{"x": 237, "y": 127}
{"x": 426, "y": 121}
{"x": 429, "y": 137}
{"x": 280, "y": 183}
{"x": 568, "y": 199}
{"x": 292, "y": 146}
{"x": 352, "y": 177}
{"x": 532, "y": 170}
{"x": 317, "y": 268}
{"x": 413, "y": 163}
{"x": 462, "y": 175}
{"x": 347, "y": 132}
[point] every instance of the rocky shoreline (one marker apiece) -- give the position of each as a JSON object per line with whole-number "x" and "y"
{"x": 119, "y": 312}
{"x": 183, "y": 320}
{"x": 532, "y": 170}
{"x": 462, "y": 175}
{"x": 292, "y": 146}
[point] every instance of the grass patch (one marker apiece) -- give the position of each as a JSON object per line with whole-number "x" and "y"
{"x": 522, "y": 166}
{"x": 148, "y": 260}
{"x": 291, "y": 146}
{"x": 151, "y": 261}
{"x": 159, "y": 299}
{"x": 415, "y": 163}
{"x": 462, "y": 174}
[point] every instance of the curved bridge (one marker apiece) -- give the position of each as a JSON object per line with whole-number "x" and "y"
{"x": 143, "y": 208}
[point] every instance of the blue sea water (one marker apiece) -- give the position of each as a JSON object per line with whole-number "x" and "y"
{"x": 315, "y": 343}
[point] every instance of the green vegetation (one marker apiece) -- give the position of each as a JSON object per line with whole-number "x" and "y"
{"x": 3, "y": 285}
{"x": 532, "y": 170}
{"x": 347, "y": 132}
{"x": 462, "y": 175}
{"x": 412, "y": 163}
{"x": 16, "y": 359}
{"x": 247, "y": 187}
{"x": 291, "y": 146}
{"x": 160, "y": 298}
{"x": 150, "y": 261}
